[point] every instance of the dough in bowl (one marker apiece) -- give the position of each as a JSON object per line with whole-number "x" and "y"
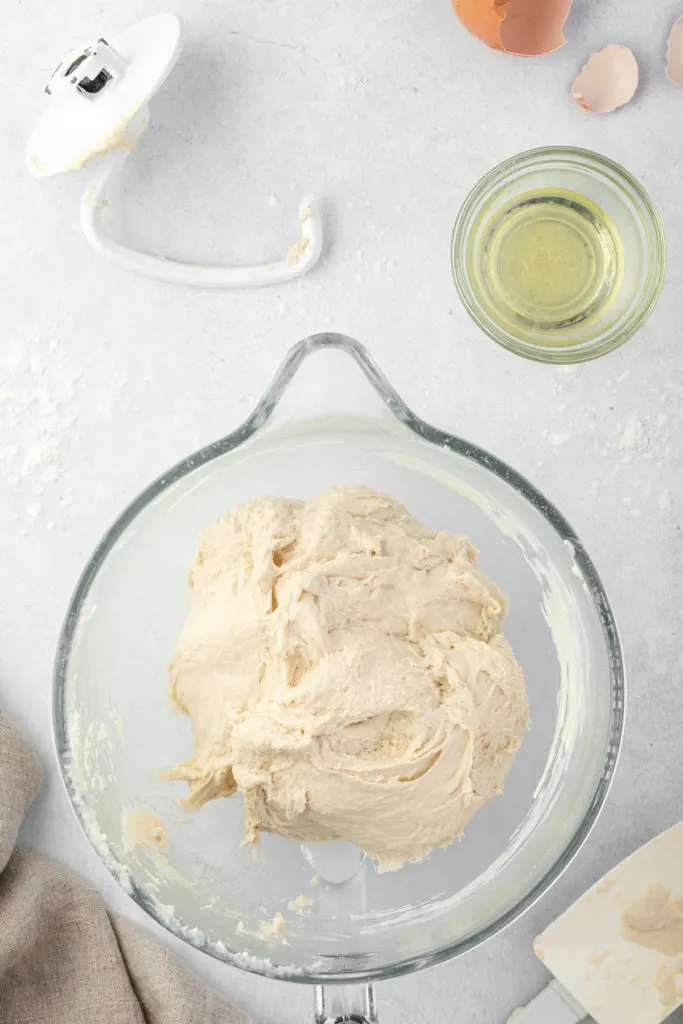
{"x": 343, "y": 667}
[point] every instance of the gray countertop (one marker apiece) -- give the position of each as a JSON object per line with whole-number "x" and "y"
{"x": 390, "y": 112}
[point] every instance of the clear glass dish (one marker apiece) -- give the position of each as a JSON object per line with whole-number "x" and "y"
{"x": 330, "y": 416}
{"x": 607, "y": 186}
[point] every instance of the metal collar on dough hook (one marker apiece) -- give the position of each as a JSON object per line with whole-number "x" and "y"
{"x": 98, "y": 106}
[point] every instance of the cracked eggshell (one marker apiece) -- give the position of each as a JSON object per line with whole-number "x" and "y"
{"x": 525, "y": 28}
{"x": 608, "y": 80}
{"x": 482, "y": 18}
{"x": 533, "y": 27}
{"x": 674, "y": 53}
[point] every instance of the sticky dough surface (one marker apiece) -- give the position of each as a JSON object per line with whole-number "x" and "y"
{"x": 343, "y": 667}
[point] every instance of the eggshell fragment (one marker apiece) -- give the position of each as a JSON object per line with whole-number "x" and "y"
{"x": 607, "y": 80}
{"x": 482, "y": 18}
{"x": 674, "y": 53}
{"x": 533, "y": 27}
{"x": 524, "y": 28}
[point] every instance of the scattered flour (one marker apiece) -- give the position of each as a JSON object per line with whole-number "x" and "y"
{"x": 560, "y": 438}
{"x": 632, "y": 434}
{"x": 38, "y": 418}
{"x": 665, "y": 500}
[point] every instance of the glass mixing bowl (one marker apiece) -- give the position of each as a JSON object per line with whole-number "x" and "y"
{"x": 329, "y": 417}
{"x": 633, "y": 219}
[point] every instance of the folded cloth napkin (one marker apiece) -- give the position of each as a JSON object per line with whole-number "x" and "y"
{"x": 63, "y": 958}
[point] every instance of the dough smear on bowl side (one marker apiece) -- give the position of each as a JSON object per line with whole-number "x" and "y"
{"x": 343, "y": 667}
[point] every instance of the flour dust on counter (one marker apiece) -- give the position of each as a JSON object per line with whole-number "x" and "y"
{"x": 38, "y": 421}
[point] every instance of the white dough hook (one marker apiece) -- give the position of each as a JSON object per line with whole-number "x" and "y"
{"x": 98, "y": 106}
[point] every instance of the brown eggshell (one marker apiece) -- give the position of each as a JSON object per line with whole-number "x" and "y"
{"x": 674, "y": 53}
{"x": 482, "y": 18}
{"x": 608, "y": 80}
{"x": 524, "y": 28}
{"x": 533, "y": 27}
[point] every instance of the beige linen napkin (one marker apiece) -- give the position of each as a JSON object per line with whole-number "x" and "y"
{"x": 63, "y": 958}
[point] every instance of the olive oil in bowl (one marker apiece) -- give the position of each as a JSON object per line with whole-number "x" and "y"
{"x": 558, "y": 254}
{"x": 552, "y": 260}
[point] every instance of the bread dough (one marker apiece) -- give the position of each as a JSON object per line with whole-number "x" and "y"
{"x": 140, "y": 828}
{"x": 343, "y": 667}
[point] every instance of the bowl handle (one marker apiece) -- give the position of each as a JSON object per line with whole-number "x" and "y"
{"x": 345, "y": 1004}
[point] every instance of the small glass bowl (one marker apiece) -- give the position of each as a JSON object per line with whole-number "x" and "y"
{"x": 634, "y": 218}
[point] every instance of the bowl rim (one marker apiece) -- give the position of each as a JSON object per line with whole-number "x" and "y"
{"x": 255, "y": 422}
{"x": 646, "y": 211}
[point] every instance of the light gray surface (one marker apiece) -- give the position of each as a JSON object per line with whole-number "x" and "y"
{"x": 390, "y": 112}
